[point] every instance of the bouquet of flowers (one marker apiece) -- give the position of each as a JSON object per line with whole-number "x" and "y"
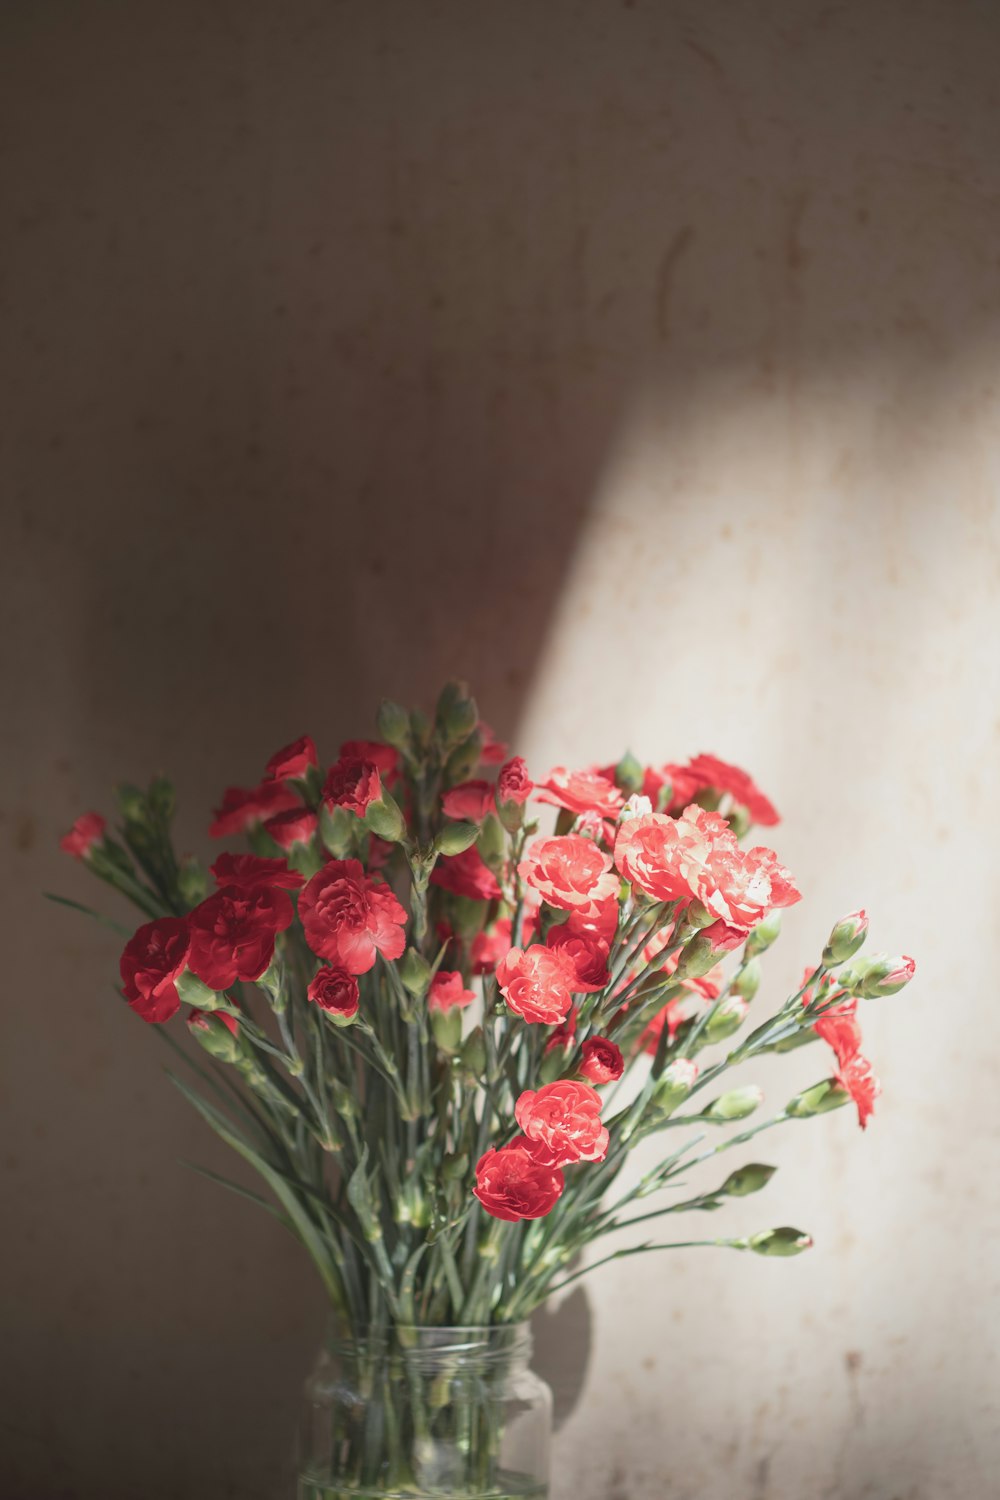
{"x": 438, "y": 1031}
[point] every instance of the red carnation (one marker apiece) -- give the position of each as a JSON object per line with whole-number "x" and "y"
{"x": 587, "y": 954}
{"x": 537, "y": 983}
{"x": 248, "y": 871}
{"x": 153, "y": 959}
{"x": 512, "y": 1184}
{"x": 466, "y": 874}
{"x": 469, "y": 802}
{"x": 87, "y": 831}
{"x": 857, "y": 1078}
{"x": 335, "y": 991}
{"x": 563, "y": 1119}
{"x": 514, "y": 784}
{"x": 447, "y": 991}
{"x": 581, "y": 792}
{"x": 488, "y": 947}
{"x": 569, "y": 871}
{"x": 297, "y": 826}
{"x": 602, "y": 1061}
{"x": 233, "y": 932}
{"x": 245, "y": 807}
{"x": 292, "y": 763}
{"x": 383, "y": 757}
{"x": 352, "y": 783}
{"x": 348, "y": 917}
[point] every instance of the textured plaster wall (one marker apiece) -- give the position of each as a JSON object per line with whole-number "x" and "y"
{"x": 638, "y": 362}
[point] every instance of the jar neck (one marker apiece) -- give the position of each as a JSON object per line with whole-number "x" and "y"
{"x": 432, "y": 1349}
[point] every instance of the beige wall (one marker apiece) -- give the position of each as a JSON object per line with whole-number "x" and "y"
{"x": 640, "y": 363}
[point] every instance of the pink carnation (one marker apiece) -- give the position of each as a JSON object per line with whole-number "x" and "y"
{"x": 469, "y": 802}
{"x": 537, "y": 984}
{"x": 581, "y": 792}
{"x": 568, "y": 871}
{"x": 348, "y": 917}
{"x": 447, "y": 991}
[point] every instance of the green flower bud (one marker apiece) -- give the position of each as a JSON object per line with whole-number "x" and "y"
{"x": 818, "y": 1100}
{"x": 764, "y": 934}
{"x": 800, "y": 1038}
{"x": 846, "y": 938}
{"x": 455, "y": 838}
{"x": 343, "y": 1100}
{"x": 454, "y": 1168}
{"x": 629, "y": 774}
{"x": 215, "y": 1035}
{"x": 727, "y": 1018}
{"x": 783, "y": 1241}
{"x": 462, "y": 762}
{"x": 384, "y": 818}
{"x": 192, "y": 880}
{"x": 420, "y": 728}
{"x": 747, "y": 1180}
{"x": 415, "y": 972}
{"x": 491, "y": 843}
{"x": 194, "y": 992}
{"x": 747, "y": 980}
{"x": 872, "y": 978}
{"x": 412, "y": 1206}
{"x": 474, "y": 1053}
{"x": 675, "y": 1083}
{"x": 132, "y": 802}
{"x": 337, "y": 830}
{"x": 161, "y": 800}
{"x": 739, "y": 820}
{"x": 734, "y": 1105}
{"x": 696, "y": 958}
{"x": 393, "y": 724}
{"x": 447, "y": 1028}
{"x": 456, "y": 714}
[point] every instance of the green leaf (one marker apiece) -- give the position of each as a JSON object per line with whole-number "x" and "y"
{"x": 88, "y": 911}
{"x": 242, "y": 1192}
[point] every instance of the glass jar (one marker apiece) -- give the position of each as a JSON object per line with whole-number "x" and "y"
{"x": 400, "y": 1413}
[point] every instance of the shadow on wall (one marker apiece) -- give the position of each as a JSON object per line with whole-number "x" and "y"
{"x": 321, "y": 333}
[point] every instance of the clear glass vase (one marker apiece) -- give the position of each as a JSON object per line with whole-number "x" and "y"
{"x": 400, "y": 1413}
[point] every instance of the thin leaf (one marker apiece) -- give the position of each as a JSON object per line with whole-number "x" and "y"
{"x": 88, "y": 911}
{"x": 242, "y": 1192}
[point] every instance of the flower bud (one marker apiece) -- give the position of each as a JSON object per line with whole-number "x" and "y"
{"x": 343, "y": 1100}
{"x": 192, "y": 881}
{"x": 746, "y": 1180}
{"x": 675, "y": 1083}
{"x": 846, "y": 938}
{"x": 456, "y": 714}
{"x": 784, "y": 1241}
{"x": 447, "y": 1028}
{"x": 629, "y": 774}
{"x": 746, "y": 981}
{"x": 336, "y": 828}
{"x": 739, "y": 820}
{"x": 727, "y": 1018}
{"x": 384, "y": 818}
{"x": 218, "y": 1034}
{"x": 764, "y": 934}
{"x": 414, "y": 972}
{"x": 491, "y": 843}
{"x": 393, "y": 725}
{"x": 695, "y": 958}
{"x": 734, "y": 1105}
{"x": 636, "y": 806}
{"x": 474, "y": 1053}
{"x": 193, "y": 991}
{"x": 412, "y": 1206}
{"x": 872, "y": 978}
{"x": 132, "y": 802}
{"x": 462, "y": 763}
{"x": 818, "y": 1100}
{"x": 455, "y": 838}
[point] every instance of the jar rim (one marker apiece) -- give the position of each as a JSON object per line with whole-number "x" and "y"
{"x": 436, "y": 1340}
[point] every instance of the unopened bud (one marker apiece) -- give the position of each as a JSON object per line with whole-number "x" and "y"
{"x": 414, "y": 972}
{"x": 336, "y": 829}
{"x": 455, "y": 838}
{"x": 462, "y": 762}
{"x": 734, "y": 1105}
{"x": 629, "y": 774}
{"x": 491, "y": 843}
{"x": 194, "y": 991}
{"x": 132, "y": 802}
{"x": 343, "y": 1100}
{"x": 872, "y": 978}
{"x": 447, "y": 1028}
{"x": 456, "y": 715}
{"x": 764, "y": 934}
{"x": 695, "y": 958}
{"x": 675, "y": 1083}
{"x": 818, "y": 1100}
{"x": 474, "y": 1053}
{"x": 385, "y": 818}
{"x": 747, "y": 980}
{"x": 218, "y": 1034}
{"x": 747, "y": 1180}
{"x": 784, "y": 1241}
{"x": 727, "y": 1018}
{"x": 393, "y": 725}
{"x": 192, "y": 881}
{"x": 846, "y": 938}
{"x": 412, "y": 1206}
{"x": 454, "y": 1168}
